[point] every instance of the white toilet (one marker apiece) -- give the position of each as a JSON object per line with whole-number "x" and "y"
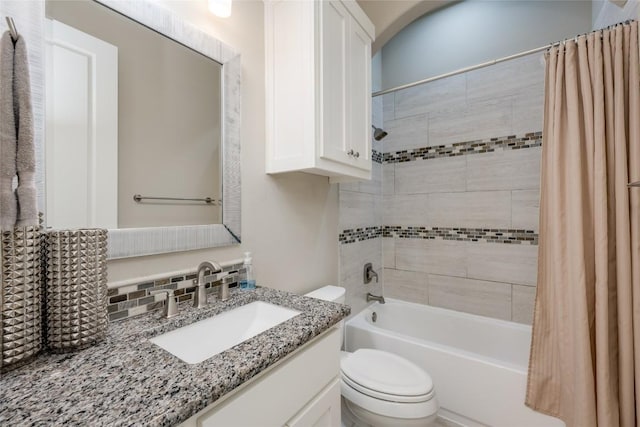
{"x": 381, "y": 389}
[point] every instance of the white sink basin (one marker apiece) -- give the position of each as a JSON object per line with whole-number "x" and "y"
{"x": 206, "y": 338}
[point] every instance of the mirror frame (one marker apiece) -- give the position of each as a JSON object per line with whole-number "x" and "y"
{"x": 133, "y": 242}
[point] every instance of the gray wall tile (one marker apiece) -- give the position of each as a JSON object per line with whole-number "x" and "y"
{"x": 373, "y": 186}
{"x": 480, "y": 209}
{"x": 389, "y": 252}
{"x": 522, "y": 301}
{"x": 470, "y": 122}
{"x": 358, "y": 210}
{"x": 431, "y": 256}
{"x": 503, "y": 262}
{"x": 402, "y": 209}
{"x": 429, "y": 97}
{"x": 525, "y": 209}
{"x": 485, "y": 298}
{"x": 406, "y": 133}
{"x": 445, "y": 174}
{"x": 388, "y": 106}
{"x": 504, "y": 170}
{"x": 388, "y": 178}
{"x": 489, "y": 190}
{"x": 506, "y": 79}
{"x": 528, "y": 109}
{"x": 406, "y": 285}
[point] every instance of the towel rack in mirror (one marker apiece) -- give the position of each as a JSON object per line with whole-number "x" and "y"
{"x": 208, "y": 200}
{"x": 634, "y": 184}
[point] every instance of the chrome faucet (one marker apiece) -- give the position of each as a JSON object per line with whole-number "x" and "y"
{"x": 369, "y": 274}
{"x": 200, "y": 296}
{"x": 170, "y": 306}
{"x": 371, "y": 297}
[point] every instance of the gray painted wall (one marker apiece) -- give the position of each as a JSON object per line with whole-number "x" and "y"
{"x": 475, "y": 31}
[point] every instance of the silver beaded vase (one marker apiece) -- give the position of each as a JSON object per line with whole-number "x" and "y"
{"x": 76, "y": 288}
{"x": 20, "y": 295}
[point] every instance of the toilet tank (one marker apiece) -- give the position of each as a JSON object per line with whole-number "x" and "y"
{"x": 328, "y": 293}
{"x": 332, "y": 294}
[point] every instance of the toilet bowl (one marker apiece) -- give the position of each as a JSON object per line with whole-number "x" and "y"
{"x": 379, "y": 388}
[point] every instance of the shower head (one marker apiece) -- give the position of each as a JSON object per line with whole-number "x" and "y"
{"x": 378, "y": 133}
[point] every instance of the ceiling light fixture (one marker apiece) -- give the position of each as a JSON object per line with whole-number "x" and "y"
{"x": 221, "y": 8}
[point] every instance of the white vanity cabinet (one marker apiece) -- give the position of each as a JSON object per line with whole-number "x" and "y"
{"x": 318, "y": 78}
{"x": 301, "y": 390}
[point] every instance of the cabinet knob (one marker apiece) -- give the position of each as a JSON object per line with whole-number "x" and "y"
{"x": 357, "y": 154}
{"x": 350, "y": 153}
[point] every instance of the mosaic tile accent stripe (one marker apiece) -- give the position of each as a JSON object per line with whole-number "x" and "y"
{"x": 512, "y": 142}
{"x": 376, "y": 156}
{"x": 133, "y": 300}
{"x": 490, "y": 235}
{"x": 359, "y": 234}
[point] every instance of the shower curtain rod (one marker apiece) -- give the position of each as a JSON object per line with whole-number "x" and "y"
{"x": 485, "y": 64}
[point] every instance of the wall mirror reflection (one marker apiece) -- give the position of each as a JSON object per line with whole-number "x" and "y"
{"x": 141, "y": 102}
{"x": 129, "y": 112}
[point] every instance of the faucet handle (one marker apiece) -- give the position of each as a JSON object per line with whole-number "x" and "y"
{"x": 170, "y": 306}
{"x": 369, "y": 274}
{"x": 224, "y": 291}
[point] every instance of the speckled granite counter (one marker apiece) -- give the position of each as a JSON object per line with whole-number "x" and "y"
{"x": 128, "y": 381}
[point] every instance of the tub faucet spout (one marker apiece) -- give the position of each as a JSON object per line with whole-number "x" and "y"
{"x": 371, "y": 297}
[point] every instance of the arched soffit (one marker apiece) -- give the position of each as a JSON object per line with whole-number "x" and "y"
{"x": 391, "y": 16}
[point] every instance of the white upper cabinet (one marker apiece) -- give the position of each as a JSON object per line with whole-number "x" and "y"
{"x": 318, "y": 78}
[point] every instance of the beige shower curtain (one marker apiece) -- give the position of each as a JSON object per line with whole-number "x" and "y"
{"x": 585, "y": 353}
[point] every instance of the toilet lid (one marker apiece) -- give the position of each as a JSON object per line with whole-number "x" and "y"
{"x": 386, "y": 373}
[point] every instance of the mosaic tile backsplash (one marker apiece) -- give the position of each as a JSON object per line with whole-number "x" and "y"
{"x": 133, "y": 300}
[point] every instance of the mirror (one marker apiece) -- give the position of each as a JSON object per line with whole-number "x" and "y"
{"x": 170, "y": 132}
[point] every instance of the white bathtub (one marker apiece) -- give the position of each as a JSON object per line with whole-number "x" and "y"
{"x": 478, "y": 365}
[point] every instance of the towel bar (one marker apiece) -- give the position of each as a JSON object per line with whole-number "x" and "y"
{"x": 634, "y": 184}
{"x": 12, "y": 28}
{"x": 208, "y": 200}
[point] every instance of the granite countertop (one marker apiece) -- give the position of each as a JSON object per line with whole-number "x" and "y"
{"x": 126, "y": 380}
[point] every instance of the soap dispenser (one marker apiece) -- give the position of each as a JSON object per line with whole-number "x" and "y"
{"x": 249, "y": 282}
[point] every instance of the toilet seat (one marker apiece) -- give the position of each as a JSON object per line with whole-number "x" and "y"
{"x": 386, "y": 376}
{"x": 386, "y": 384}
{"x": 386, "y": 396}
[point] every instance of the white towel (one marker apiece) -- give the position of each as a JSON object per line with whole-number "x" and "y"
{"x": 25, "y": 151}
{"x": 8, "y": 135}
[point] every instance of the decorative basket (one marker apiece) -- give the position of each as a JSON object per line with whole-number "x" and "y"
{"x": 20, "y": 295}
{"x": 76, "y": 288}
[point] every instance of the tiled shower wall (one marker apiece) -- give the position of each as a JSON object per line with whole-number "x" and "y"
{"x": 460, "y": 190}
{"x": 360, "y": 220}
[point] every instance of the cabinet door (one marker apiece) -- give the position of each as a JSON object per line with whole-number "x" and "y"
{"x": 334, "y": 24}
{"x": 322, "y": 411}
{"x": 359, "y": 92}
